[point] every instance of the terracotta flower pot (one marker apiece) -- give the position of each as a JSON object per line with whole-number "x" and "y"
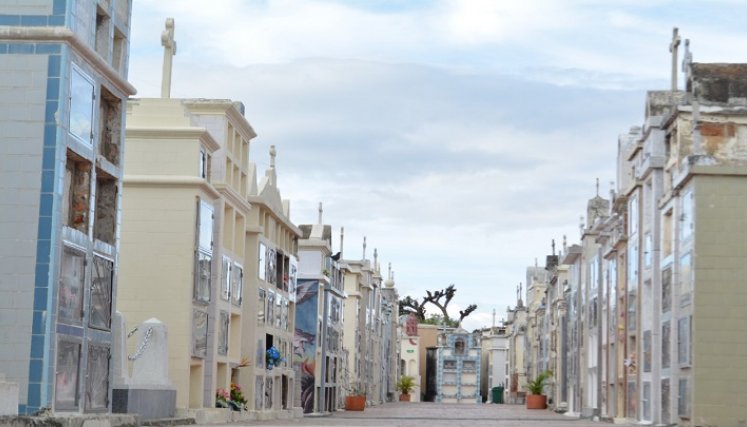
{"x": 355, "y": 403}
{"x": 404, "y": 397}
{"x": 536, "y": 401}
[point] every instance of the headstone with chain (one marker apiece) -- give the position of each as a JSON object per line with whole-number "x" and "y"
{"x": 149, "y": 393}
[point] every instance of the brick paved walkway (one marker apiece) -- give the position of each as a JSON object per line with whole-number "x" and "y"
{"x": 437, "y": 415}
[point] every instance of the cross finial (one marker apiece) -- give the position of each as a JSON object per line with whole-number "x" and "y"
{"x": 673, "y": 49}
{"x": 390, "y": 271}
{"x": 273, "y": 153}
{"x": 565, "y": 244}
{"x": 376, "y": 257}
{"x": 342, "y": 237}
{"x": 553, "y": 247}
{"x": 320, "y": 213}
{"x": 597, "y": 187}
{"x": 364, "y": 247}
{"x": 687, "y": 60}
{"x": 169, "y": 50}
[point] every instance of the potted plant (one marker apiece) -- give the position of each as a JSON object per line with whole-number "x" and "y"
{"x": 356, "y": 399}
{"x": 405, "y": 385}
{"x": 535, "y": 398}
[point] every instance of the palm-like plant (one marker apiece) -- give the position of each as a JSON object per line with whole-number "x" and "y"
{"x": 406, "y": 384}
{"x": 535, "y": 386}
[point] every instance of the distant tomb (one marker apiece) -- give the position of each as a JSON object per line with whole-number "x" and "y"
{"x": 458, "y": 367}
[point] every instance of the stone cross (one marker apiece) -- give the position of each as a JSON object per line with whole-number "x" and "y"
{"x": 389, "y": 274}
{"x": 673, "y": 48}
{"x": 169, "y": 50}
{"x": 376, "y": 259}
{"x": 320, "y": 212}
{"x": 364, "y": 247}
{"x": 553, "y": 247}
{"x": 597, "y": 187}
{"x": 687, "y": 60}
{"x": 273, "y": 153}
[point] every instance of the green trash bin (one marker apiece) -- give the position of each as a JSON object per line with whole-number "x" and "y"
{"x": 497, "y": 394}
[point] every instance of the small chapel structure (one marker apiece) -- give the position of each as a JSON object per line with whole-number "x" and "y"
{"x": 458, "y": 367}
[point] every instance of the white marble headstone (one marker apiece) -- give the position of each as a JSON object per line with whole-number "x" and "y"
{"x": 151, "y": 369}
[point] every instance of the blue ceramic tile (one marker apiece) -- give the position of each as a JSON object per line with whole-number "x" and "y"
{"x": 57, "y": 21}
{"x": 21, "y": 48}
{"x": 50, "y": 137}
{"x": 45, "y": 227}
{"x": 37, "y": 346}
{"x": 58, "y": 7}
{"x": 53, "y": 65}
{"x": 10, "y": 19}
{"x": 38, "y": 325}
{"x": 46, "y": 202}
{"x": 53, "y": 88}
{"x": 34, "y": 20}
{"x": 35, "y": 370}
{"x": 50, "y": 110}
{"x": 48, "y": 48}
{"x": 34, "y": 396}
{"x": 42, "y": 250}
{"x": 42, "y": 275}
{"x": 3, "y": 48}
{"x": 47, "y": 182}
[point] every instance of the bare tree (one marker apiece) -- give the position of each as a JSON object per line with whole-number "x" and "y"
{"x": 440, "y": 298}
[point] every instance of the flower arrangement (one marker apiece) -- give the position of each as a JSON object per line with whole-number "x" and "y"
{"x": 273, "y": 357}
{"x": 232, "y": 398}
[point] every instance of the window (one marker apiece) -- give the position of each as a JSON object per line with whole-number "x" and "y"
{"x": 100, "y": 307}
{"x": 97, "y": 378}
{"x": 81, "y": 106}
{"x": 199, "y": 333}
{"x": 685, "y": 279}
{"x": 633, "y": 215}
{"x": 237, "y": 284}
{"x": 202, "y": 278}
{"x": 262, "y": 267}
{"x": 72, "y": 280}
{"x": 225, "y": 279}
{"x": 647, "y": 352}
{"x": 66, "y": 374}
{"x": 666, "y": 290}
{"x": 665, "y": 415}
{"x": 205, "y": 227}
{"x": 686, "y": 218}
{"x": 683, "y": 407}
{"x": 223, "y": 334}
{"x": 683, "y": 341}
{"x": 666, "y": 332}
{"x": 261, "y": 307}
{"x": 648, "y": 249}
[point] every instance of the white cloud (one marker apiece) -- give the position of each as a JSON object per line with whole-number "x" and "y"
{"x": 459, "y": 136}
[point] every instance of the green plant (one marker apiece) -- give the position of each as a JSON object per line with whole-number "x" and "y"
{"x": 535, "y": 386}
{"x": 405, "y": 384}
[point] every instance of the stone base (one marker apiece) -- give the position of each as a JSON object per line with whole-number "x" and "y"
{"x": 8, "y": 397}
{"x": 145, "y": 403}
{"x": 103, "y": 420}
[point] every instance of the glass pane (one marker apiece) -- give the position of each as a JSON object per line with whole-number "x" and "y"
{"x": 261, "y": 307}
{"x": 205, "y": 227}
{"x": 271, "y": 273}
{"x": 101, "y": 293}
{"x": 647, "y": 351}
{"x": 225, "y": 282}
{"x": 223, "y": 334}
{"x": 237, "y": 284}
{"x": 270, "y": 308}
{"x": 199, "y": 333}
{"x": 268, "y": 393}
{"x": 258, "y": 386}
{"x": 72, "y": 278}
{"x": 97, "y": 385}
{"x": 666, "y": 290}
{"x": 262, "y": 263}
{"x": 666, "y": 329}
{"x": 202, "y": 278}
{"x": 278, "y": 310}
{"x": 665, "y": 411}
{"x": 66, "y": 378}
{"x": 81, "y": 106}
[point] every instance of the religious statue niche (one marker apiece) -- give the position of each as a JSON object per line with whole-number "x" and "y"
{"x": 411, "y": 325}
{"x": 97, "y": 378}
{"x": 67, "y": 373}
{"x": 199, "y": 333}
{"x": 72, "y": 279}
{"x": 101, "y": 293}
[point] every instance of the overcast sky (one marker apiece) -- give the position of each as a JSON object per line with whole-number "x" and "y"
{"x": 459, "y": 136}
